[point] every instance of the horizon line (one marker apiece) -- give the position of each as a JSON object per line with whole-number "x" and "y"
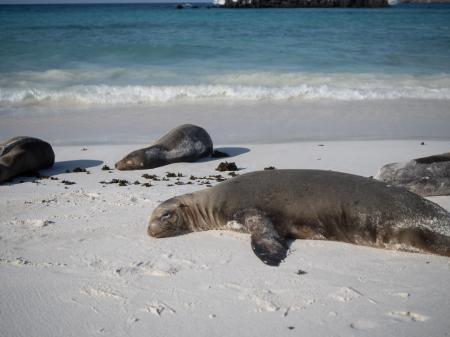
{"x": 87, "y": 2}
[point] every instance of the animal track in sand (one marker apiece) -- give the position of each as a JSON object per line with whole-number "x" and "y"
{"x": 21, "y": 262}
{"x": 408, "y": 316}
{"x": 266, "y": 300}
{"x": 345, "y": 294}
{"x": 31, "y": 222}
{"x": 159, "y": 269}
{"x": 363, "y": 325}
{"x": 166, "y": 265}
{"x": 402, "y": 295}
{"x": 158, "y": 308}
{"x": 105, "y": 292}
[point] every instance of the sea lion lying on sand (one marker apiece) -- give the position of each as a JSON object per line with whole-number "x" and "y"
{"x": 278, "y": 205}
{"x": 425, "y": 176}
{"x": 186, "y": 143}
{"x": 19, "y": 155}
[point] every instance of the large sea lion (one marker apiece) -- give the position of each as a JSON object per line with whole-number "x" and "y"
{"x": 279, "y": 205}
{"x": 186, "y": 143}
{"x": 19, "y": 155}
{"x": 425, "y": 176}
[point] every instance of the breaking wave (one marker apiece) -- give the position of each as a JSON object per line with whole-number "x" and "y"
{"x": 69, "y": 88}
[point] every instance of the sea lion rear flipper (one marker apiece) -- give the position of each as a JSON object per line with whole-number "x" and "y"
{"x": 267, "y": 243}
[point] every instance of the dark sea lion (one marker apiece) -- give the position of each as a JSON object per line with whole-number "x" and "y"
{"x": 185, "y": 143}
{"x": 425, "y": 176}
{"x": 19, "y": 155}
{"x": 276, "y": 206}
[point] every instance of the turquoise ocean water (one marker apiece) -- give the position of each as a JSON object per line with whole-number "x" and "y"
{"x": 148, "y": 53}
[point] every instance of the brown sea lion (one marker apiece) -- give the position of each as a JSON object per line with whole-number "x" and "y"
{"x": 186, "y": 143}
{"x": 19, "y": 155}
{"x": 425, "y": 176}
{"x": 279, "y": 205}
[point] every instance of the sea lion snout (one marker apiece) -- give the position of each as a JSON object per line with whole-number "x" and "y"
{"x": 168, "y": 220}
{"x": 133, "y": 161}
{"x": 154, "y": 229}
{"x": 163, "y": 229}
{"x": 121, "y": 165}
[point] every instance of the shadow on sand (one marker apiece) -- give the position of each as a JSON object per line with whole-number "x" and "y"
{"x": 63, "y": 166}
{"x": 58, "y": 167}
{"x": 230, "y": 151}
{"x": 233, "y": 151}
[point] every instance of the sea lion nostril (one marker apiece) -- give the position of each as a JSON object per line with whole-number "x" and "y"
{"x": 153, "y": 229}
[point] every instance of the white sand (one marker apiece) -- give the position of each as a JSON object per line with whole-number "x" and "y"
{"x": 76, "y": 261}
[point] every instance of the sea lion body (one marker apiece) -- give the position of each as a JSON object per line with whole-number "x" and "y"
{"x": 278, "y": 205}
{"x": 19, "y": 155}
{"x": 426, "y": 176}
{"x": 186, "y": 143}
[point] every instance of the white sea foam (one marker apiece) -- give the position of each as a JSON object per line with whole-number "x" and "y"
{"x": 62, "y": 87}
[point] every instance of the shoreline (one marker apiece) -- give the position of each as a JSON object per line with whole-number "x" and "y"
{"x": 236, "y": 122}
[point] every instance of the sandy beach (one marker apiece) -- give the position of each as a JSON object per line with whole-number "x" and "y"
{"x": 341, "y": 89}
{"x": 76, "y": 260}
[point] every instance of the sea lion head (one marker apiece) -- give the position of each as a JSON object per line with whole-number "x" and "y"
{"x": 132, "y": 161}
{"x": 168, "y": 219}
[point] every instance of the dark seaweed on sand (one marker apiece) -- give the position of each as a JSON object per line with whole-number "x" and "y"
{"x": 226, "y": 166}
{"x": 153, "y": 177}
{"x": 120, "y": 182}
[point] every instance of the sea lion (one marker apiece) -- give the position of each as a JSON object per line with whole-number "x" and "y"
{"x": 276, "y": 206}
{"x": 425, "y": 176}
{"x": 185, "y": 143}
{"x": 19, "y": 155}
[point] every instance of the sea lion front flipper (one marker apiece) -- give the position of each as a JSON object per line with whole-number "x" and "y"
{"x": 268, "y": 249}
{"x": 267, "y": 243}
